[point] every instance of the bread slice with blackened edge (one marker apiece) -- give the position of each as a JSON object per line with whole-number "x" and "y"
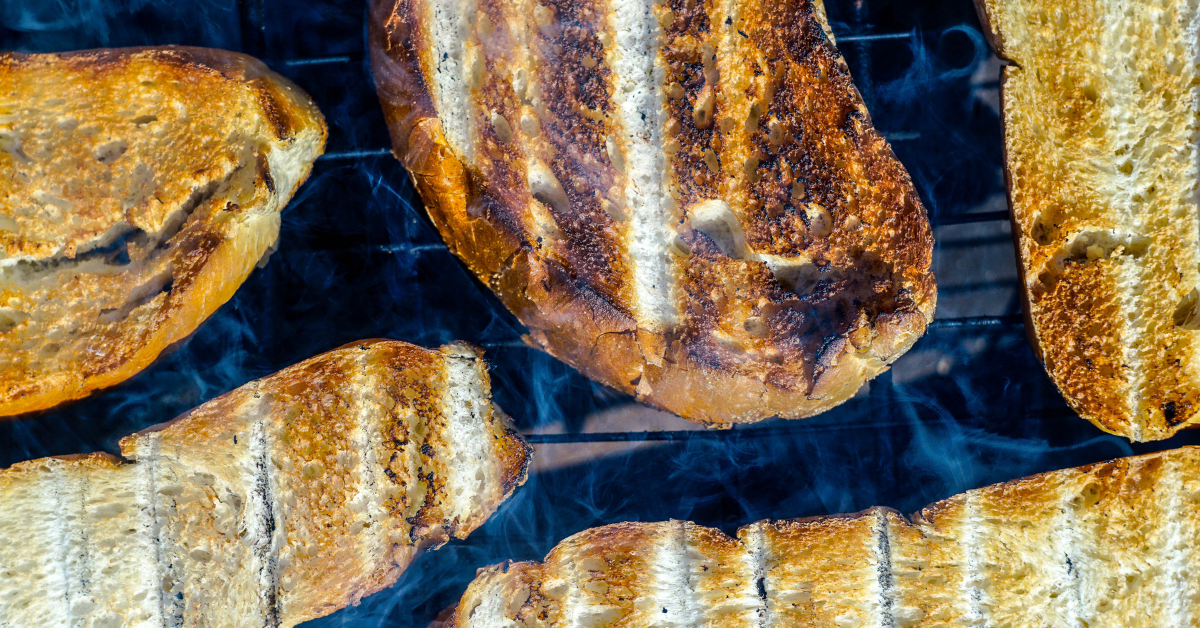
{"x": 1100, "y": 118}
{"x": 282, "y": 501}
{"x": 139, "y": 188}
{"x": 1107, "y": 545}
{"x": 686, "y": 201}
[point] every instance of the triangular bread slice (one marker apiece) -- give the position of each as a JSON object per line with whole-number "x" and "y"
{"x": 1101, "y": 155}
{"x": 1111, "y": 544}
{"x": 687, "y": 201}
{"x": 138, "y": 189}
{"x": 282, "y": 501}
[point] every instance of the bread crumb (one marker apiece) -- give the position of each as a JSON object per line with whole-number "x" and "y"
{"x": 820, "y": 223}
{"x": 702, "y": 115}
{"x": 503, "y": 129}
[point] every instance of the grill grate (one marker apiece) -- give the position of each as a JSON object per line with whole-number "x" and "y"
{"x": 967, "y": 406}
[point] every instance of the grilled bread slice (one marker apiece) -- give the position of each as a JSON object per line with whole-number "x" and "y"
{"x": 685, "y": 200}
{"x": 1108, "y": 545}
{"x": 282, "y": 501}
{"x": 1100, "y": 122}
{"x": 138, "y": 189}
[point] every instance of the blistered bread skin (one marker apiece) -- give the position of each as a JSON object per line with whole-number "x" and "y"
{"x": 280, "y": 502}
{"x": 1111, "y": 545}
{"x": 686, "y": 201}
{"x": 1100, "y": 137}
{"x": 139, "y": 188}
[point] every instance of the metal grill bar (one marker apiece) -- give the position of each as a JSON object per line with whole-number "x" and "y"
{"x": 977, "y": 321}
{"x": 672, "y": 436}
{"x": 959, "y": 219}
{"x": 355, "y": 154}
{"x": 796, "y": 429}
{"x": 854, "y": 38}
{"x": 975, "y": 286}
{"x": 322, "y": 60}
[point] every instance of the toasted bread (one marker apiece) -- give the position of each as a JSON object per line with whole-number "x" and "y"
{"x": 1100, "y": 117}
{"x": 687, "y": 201}
{"x": 1109, "y": 545}
{"x": 138, "y": 189}
{"x": 282, "y": 501}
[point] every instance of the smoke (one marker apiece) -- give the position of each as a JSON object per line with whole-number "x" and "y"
{"x": 357, "y": 259}
{"x": 59, "y": 25}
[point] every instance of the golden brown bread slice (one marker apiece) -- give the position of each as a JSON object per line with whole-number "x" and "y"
{"x": 138, "y": 189}
{"x": 282, "y": 501}
{"x": 1100, "y": 119}
{"x": 1107, "y": 545}
{"x": 685, "y": 200}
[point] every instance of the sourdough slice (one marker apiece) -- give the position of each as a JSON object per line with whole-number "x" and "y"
{"x": 1101, "y": 123}
{"x": 138, "y": 189}
{"x": 1107, "y": 545}
{"x": 686, "y": 201}
{"x": 280, "y": 502}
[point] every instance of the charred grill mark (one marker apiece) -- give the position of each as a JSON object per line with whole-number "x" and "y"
{"x": 819, "y": 183}
{"x": 572, "y": 86}
{"x": 403, "y": 428}
{"x": 404, "y": 436}
{"x": 150, "y": 465}
{"x": 264, "y": 548}
{"x": 803, "y": 139}
{"x": 848, "y": 169}
{"x": 805, "y": 326}
{"x": 884, "y": 573}
{"x": 691, "y": 101}
{"x": 411, "y": 435}
{"x": 157, "y": 271}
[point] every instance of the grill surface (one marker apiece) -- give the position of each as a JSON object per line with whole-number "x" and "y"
{"x": 969, "y": 405}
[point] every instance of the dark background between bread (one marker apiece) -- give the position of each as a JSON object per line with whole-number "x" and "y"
{"x": 969, "y": 405}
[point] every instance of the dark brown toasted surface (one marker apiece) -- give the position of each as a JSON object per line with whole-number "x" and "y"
{"x": 1100, "y": 545}
{"x": 138, "y": 189}
{"x": 687, "y": 201}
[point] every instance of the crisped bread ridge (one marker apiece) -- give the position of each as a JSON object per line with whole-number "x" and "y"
{"x": 142, "y": 186}
{"x": 282, "y": 501}
{"x": 1100, "y": 127}
{"x": 1100, "y": 545}
{"x": 685, "y": 201}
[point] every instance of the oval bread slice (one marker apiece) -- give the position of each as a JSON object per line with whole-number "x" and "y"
{"x": 138, "y": 189}
{"x": 1107, "y": 545}
{"x": 1100, "y": 141}
{"x": 282, "y": 501}
{"x": 685, "y": 200}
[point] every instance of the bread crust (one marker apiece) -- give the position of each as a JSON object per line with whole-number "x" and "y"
{"x": 994, "y": 37}
{"x": 572, "y": 279}
{"x": 1053, "y": 549}
{"x": 169, "y": 203}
